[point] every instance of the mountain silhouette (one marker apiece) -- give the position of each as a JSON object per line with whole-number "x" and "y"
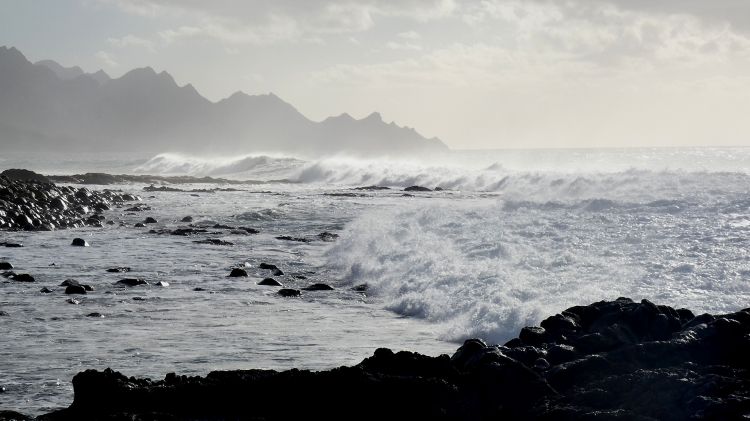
{"x": 46, "y": 106}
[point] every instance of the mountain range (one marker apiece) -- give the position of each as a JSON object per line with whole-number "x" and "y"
{"x": 46, "y": 106}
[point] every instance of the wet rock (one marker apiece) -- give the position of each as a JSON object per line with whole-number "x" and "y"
{"x": 161, "y": 284}
{"x": 45, "y": 290}
{"x": 8, "y": 274}
{"x": 75, "y": 289}
{"x": 273, "y": 268}
{"x": 74, "y": 283}
{"x": 25, "y": 175}
{"x": 12, "y": 245}
{"x": 150, "y": 220}
{"x": 214, "y": 242}
{"x": 296, "y": 239}
{"x": 199, "y": 289}
{"x": 6, "y": 266}
{"x": 289, "y": 292}
{"x": 12, "y": 415}
{"x": 371, "y": 188}
{"x": 187, "y": 219}
{"x": 79, "y": 242}
{"x": 72, "y": 301}
{"x": 327, "y": 236}
{"x": 360, "y": 288}
{"x": 4, "y": 313}
{"x": 23, "y": 277}
{"x": 131, "y": 282}
{"x": 237, "y": 272}
{"x": 140, "y": 225}
{"x": 417, "y": 188}
{"x": 270, "y": 282}
{"x": 139, "y": 299}
{"x": 318, "y": 287}
{"x": 95, "y": 315}
{"x": 121, "y": 269}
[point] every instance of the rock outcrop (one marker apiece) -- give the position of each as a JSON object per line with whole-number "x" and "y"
{"x": 611, "y": 360}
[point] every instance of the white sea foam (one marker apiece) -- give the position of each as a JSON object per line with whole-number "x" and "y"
{"x": 240, "y": 166}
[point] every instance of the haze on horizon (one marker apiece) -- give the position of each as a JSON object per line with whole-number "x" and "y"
{"x": 489, "y": 74}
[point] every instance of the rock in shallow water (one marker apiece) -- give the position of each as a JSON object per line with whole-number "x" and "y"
{"x": 289, "y": 292}
{"x": 270, "y": 282}
{"x": 75, "y": 289}
{"x": 6, "y": 266}
{"x": 79, "y": 242}
{"x": 237, "y": 273}
{"x": 23, "y": 277}
{"x": 318, "y": 287}
{"x": 131, "y": 282}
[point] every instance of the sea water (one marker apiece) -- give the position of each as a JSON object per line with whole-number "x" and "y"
{"x": 513, "y": 237}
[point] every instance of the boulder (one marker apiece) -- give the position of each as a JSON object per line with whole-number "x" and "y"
{"x": 75, "y": 289}
{"x": 417, "y": 188}
{"x": 318, "y": 287}
{"x": 238, "y": 272}
{"x": 25, "y": 175}
{"x": 187, "y": 219}
{"x": 120, "y": 269}
{"x": 6, "y": 266}
{"x": 288, "y": 292}
{"x": 150, "y": 220}
{"x": 270, "y": 282}
{"x": 23, "y": 277}
{"x": 79, "y": 242}
{"x": 131, "y": 282}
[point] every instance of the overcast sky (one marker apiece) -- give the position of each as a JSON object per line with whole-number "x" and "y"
{"x": 477, "y": 74}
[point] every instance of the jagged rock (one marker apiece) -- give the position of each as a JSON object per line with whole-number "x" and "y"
{"x": 120, "y": 269}
{"x": 327, "y": 236}
{"x": 297, "y": 239}
{"x": 701, "y": 371}
{"x": 270, "y": 282}
{"x": 214, "y": 242}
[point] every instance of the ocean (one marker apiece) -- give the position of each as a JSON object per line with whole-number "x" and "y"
{"x": 511, "y": 237}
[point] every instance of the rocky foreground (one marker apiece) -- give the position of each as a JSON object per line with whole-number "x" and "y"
{"x": 31, "y": 202}
{"x": 611, "y": 360}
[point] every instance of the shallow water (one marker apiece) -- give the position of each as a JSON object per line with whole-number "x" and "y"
{"x": 518, "y": 236}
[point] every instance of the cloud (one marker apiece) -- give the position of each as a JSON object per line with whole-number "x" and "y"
{"x": 132, "y": 41}
{"x": 108, "y": 59}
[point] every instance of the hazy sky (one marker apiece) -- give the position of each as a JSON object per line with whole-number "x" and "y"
{"x": 477, "y": 74}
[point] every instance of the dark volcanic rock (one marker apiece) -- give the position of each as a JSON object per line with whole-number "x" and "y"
{"x": 79, "y": 242}
{"x": 214, "y": 242}
{"x": 237, "y": 273}
{"x": 150, "y": 220}
{"x": 270, "y": 282}
{"x": 319, "y": 287}
{"x": 95, "y": 315}
{"x": 120, "y": 269}
{"x": 24, "y": 175}
{"x": 654, "y": 368}
{"x": 187, "y": 219}
{"x": 328, "y": 236}
{"x": 43, "y": 206}
{"x": 131, "y": 282}
{"x": 288, "y": 292}
{"x": 6, "y": 266}
{"x": 275, "y": 269}
{"x": 297, "y": 239}
{"x": 23, "y": 277}
{"x": 75, "y": 289}
{"x": 417, "y": 188}
{"x": 12, "y": 415}
{"x": 14, "y": 245}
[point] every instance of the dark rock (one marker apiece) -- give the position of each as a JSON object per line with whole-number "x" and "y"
{"x": 274, "y": 268}
{"x": 270, "y": 282}
{"x": 288, "y": 292}
{"x": 4, "y": 313}
{"x": 297, "y": 239}
{"x": 199, "y": 289}
{"x": 327, "y": 236}
{"x": 75, "y": 289}
{"x": 140, "y": 225}
{"x": 439, "y": 188}
{"x": 139, "y": 299}
{"x": 187, "y": 219}
{"x": 79, "y": 242}
{"x": 318, "y": 287}
{"x": 360, "y": 288}
{"x": 96, "y": 315}
{"x": 45, "y": 290}
{"x": 120, "y": 269}
{"x": 161, "y": 284}
{"x": 131, "y": 282}
{"x": 24, "y": 175}
{"x": 214, "y": 242}
{"x": 23, "y": 277}
{"x": 6, "y": 266}
{"x": 237, "y": 272}
{"x": 12, "y": 415}
{"x": 150, "y": 220}
{"x": 417, "y": 188}
{"x": 74, "y": 283}
{"x": 13, "y": 245}
{"x": 372, "y": 188}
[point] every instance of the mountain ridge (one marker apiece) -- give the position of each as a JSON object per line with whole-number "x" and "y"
{"x": 47, "y": 105}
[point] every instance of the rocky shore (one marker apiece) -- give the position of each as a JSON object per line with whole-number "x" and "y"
{"x": 611, "y": 360}
{"x": 31, "y": 202}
